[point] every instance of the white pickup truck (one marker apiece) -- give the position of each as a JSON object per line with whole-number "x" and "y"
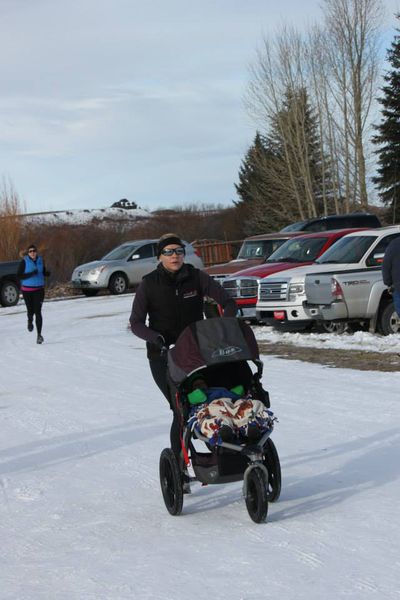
{"x": 309, "y": 295}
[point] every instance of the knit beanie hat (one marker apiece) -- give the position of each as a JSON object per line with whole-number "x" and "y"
{"x": 166, "y": 240}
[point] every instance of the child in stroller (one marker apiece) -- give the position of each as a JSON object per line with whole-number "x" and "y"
{"x": 224, "y": 415}
{"x": 215, "y": 354}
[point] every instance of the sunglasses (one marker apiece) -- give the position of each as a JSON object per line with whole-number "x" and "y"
{"x": 32, "y": 250}
{"x": 170, "y": 252}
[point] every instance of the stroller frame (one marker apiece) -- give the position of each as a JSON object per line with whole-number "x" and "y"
{"x": 257, "y": 464}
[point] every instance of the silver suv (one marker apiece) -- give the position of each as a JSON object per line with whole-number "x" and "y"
{"x": 123, "y": 267}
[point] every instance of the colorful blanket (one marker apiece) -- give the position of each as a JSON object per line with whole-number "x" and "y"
{"x": 239, "y": 415}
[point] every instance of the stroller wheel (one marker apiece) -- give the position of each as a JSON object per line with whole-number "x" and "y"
{"x": 256, "y": 495}
{"x": 171, "y": 482}
{"x": 273, "y": 466}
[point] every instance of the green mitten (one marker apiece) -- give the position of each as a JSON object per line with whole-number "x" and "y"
{"x": 238, "y": 389}
{"x": 197, "y": 397}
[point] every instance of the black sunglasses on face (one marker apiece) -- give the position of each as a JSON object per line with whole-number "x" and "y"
{"x": 170, "y": 252}
{"x": 32, "y": 250}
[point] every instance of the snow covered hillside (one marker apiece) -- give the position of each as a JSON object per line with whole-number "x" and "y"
{"x": 83, "y": 217}
{"x": 82, "y": 516}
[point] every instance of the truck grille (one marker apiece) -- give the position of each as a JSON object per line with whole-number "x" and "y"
{"x": 241, "y": 288}
{"x": 272, "y": 291}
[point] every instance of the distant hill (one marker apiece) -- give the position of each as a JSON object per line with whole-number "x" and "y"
{"x": 104, "y": 216}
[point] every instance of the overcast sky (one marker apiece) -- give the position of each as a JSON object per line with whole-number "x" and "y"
{"x": 110, "y": 99}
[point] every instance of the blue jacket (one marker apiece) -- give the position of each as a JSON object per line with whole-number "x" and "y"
{"x": 391, "y": 265}
{"x": 30, "y": 265}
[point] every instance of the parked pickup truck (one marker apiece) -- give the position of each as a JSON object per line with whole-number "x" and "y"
{"x": 254, "y": 251}
{"x": 283, "y": 301}
{"x": 299, "y": 251}
{"x": 9, "y": 283}
{"x": 353, "y": 297}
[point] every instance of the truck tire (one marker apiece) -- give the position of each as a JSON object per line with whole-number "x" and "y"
{"x": 9, "y": 293}
{"x": 338, "y": 327}
{"x": 389, "y": 321}
{"x": 118, "y": 283}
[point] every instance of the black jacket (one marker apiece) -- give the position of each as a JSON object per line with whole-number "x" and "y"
{"x": 172, "y": 301}
{"x": 391, "y": 265}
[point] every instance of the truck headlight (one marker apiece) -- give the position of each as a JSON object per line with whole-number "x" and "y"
{"x": 295, "y": 289}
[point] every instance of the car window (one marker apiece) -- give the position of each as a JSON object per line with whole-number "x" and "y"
{"x": 294, "y": 226}
{"x": 375, "y": 259}
{"x": 259, "y": 248}
{"x": 120, "y": 252}
{"x": 146, "y": 251}
{"x": 347, "y": 250}
{"x": 316, "y": 226}
{"x": 337, "y": 223}
{"x": 298, "y": 250}
{"x": 365, "y": 221}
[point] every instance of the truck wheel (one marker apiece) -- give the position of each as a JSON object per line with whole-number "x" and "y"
{"x": 389, "y": 321}
{"x": 9, "y": 294}
{"x": 331, "y": 327}
{"x": 118, "y": 283}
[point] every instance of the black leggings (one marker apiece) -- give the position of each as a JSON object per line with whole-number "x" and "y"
{"x": 158, "y": 367}
{"x": 33, "y": 301}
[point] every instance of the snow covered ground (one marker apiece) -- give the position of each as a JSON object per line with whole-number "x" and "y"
{"x": 82, "y": 516}
{"x": 360, "y": 340}
{"x": 85, "y": 216}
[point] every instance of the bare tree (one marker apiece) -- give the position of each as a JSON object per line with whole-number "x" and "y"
{"x": 337, "y": 65}
{"x": 351, "y": 35}
{"x": 320, "y": 92}
{"x": 271, "y": 75}
{"x": 278, "y": 100}
{"x": 10, "y": 221}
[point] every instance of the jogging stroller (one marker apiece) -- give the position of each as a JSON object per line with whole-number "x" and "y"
{"x": 221, "y": 350}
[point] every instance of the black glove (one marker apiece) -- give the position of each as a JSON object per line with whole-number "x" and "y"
{"x": 161, "y": 345}
{"x": 34, "y": 272}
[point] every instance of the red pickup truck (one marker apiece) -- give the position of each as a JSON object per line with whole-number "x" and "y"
{"x": 254, "y": 251}
{"x": 295, "y": 252}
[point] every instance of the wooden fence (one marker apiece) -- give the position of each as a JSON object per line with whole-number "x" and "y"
{"x": 216, "y": 252}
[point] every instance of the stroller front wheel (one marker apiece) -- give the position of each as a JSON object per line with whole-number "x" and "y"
{"x": 274, "y": 471}
{"x": 256, "y": 494}
{"x": 171, "y": 482}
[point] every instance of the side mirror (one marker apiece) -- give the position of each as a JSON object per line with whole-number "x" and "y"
{"x": 134, "y": 257}
{"x": 378, "y": 257}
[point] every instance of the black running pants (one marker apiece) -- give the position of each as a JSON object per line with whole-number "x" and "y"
{"x": 158, "y": 367}
{"x": 33, "y": 301}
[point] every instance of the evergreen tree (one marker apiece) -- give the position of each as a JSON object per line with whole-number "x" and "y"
{"x": 388, "y": 137}
{"x": 284, "y": 177}
{"x": 256, "y": 189}
{"x": 295, "y": 136}
{"x": 250, "y": 172}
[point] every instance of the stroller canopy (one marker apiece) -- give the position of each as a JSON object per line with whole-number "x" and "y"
{"x": 211, "y": 342}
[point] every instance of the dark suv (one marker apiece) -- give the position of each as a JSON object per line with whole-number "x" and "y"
{"x": 348, "y": 221}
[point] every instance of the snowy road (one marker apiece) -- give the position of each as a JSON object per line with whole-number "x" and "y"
{"x": 82, "y": 517}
